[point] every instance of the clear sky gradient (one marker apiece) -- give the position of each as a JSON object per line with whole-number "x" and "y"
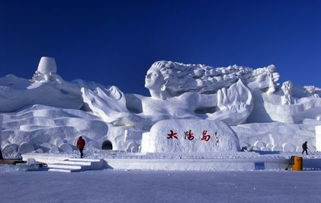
{"x": 115, "y": 42}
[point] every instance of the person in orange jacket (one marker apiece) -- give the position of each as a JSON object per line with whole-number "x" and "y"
{"x": 81, "y": 145}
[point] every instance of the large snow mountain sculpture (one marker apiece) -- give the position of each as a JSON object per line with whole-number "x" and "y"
{"x": 243, "y": 98}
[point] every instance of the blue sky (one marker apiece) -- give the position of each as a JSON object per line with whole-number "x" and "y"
{"x": 115, "y": 42}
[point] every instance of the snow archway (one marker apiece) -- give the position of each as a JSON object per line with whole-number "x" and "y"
{"x": 107, "y": 145}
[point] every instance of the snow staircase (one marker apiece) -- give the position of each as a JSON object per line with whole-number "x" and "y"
{"x": 76, "y": 165}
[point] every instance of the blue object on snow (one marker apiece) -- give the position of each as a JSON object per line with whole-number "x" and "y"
{"x": 259, "y": 165}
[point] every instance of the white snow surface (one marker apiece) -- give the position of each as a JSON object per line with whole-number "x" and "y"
{"x": 159, "y": 186}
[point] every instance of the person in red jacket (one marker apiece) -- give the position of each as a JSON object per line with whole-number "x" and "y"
{"x": 81, "y": 145}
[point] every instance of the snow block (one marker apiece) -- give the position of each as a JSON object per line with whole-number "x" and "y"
{"x": 189, "y": 135}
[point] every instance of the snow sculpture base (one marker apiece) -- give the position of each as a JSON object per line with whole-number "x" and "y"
{"x": 189, "y": 136}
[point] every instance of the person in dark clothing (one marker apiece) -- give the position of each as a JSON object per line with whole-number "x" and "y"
{"x": 81, "y": 145}
{"x": 305, "y": 147}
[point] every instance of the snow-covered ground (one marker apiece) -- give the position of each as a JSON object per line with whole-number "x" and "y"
{"x": 159, "y": 186}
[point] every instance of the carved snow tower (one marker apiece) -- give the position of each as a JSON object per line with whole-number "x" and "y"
{"x": 46, "y": 71}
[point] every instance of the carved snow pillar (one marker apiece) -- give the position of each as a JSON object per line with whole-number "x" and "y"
{"x": 46, "y": 71}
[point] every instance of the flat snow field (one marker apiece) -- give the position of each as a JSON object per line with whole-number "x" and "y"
{"x": 160, "y": 186}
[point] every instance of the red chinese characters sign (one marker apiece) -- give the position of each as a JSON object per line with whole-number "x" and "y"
{"x": 172, "y": 135}
{"x": 205, "y": 137}
{"x": 189, "y": 135}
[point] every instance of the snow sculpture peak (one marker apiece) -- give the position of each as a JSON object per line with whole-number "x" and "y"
{"x": 46, "y": 71}
{"x": 47, "y": 65}
{"x": 169, "y": 79}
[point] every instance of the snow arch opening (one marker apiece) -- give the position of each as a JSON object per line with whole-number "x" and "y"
{"x": 107, "y": 145}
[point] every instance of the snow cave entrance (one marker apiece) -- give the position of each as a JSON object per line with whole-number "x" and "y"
{"x": 107, "y": 145}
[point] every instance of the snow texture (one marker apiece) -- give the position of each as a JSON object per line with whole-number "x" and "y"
{"x": 151, "y": 186}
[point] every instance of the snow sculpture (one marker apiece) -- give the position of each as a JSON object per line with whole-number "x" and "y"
{"x": 46, "y": 88}
{"x": 263, "y": 114}
{"x": 168, "y": 79}
{"x": 10, "y": 151}
{"x": 287, "y": 91}
{"x": 289, "y": 104}
{"x": 46, "y": 71}
{"x": 107, "y": 103}
{"x": 49, "y": 129}
{"x": 276, "y": 136}
{"x": 227, "y": 98}
{"x": 235, "y": 104}
{"x": 189, "y": 136}
{"x": 263, "y": 79}
{"x": 125, "y": 138}
{"x": 47, "y": 65}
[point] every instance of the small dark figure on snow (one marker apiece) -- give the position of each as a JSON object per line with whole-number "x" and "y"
{"x": 305, "y": 147}
{"x": 81, "y": 145}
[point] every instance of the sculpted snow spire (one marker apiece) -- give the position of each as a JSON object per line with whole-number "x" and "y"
{"x": 46, "y": 71}
{"x": 47, "y": 65}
